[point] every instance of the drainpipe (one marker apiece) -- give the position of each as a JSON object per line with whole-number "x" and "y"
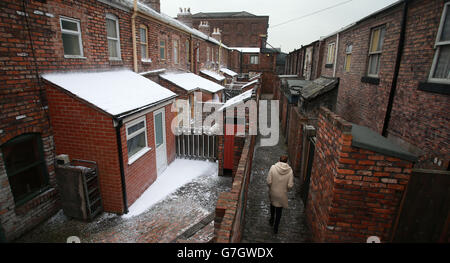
{"x": 400, "y": 48}
{"x": 122, "y": 171}
{"x": 133, "y": 32}
{"x": 336, "y": 55}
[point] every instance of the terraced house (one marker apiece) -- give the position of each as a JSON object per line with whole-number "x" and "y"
{"x": 81, "y": 78}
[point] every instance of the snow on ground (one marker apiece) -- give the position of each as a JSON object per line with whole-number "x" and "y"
{"x": 177, "y": 174}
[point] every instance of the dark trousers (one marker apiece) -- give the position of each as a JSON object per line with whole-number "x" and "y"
{"x": 275, "y": 213}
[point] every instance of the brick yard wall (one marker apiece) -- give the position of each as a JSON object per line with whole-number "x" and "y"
{"x": 296, "y": 123}
{"x": 230, "y": 208}
{"x": 354, "y": 193}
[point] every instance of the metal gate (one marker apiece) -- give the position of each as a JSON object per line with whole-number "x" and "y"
{"x": 424, "y": 214}
{"x": 196, "y": 144}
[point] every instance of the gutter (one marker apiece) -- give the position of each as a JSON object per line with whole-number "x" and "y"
{"x": 133, "y": 32}
{"x": 400, "y": 49}
{"x": 122, "y": 171}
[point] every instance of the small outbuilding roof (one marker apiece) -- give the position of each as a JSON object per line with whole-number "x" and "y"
{"x": 247, "y": 49}
{"x": 228, "y": 72}
{"x": 115, "y": 92}
{"x": 190, "y": 81}
{"x": 368, "y": 139}
{"x": 237, "y": 99}
{"x": 318, "y": 87}
{"x": 213, "y": 74}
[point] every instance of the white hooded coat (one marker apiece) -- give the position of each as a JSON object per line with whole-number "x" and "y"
{"x": 280, "y": 181}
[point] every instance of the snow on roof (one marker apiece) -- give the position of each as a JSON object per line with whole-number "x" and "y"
{"x": 237, "y": 99}
{"x": 247, "y": 49}
{"x": 212, "y": 74}
{"x": 115, "y": 92}
{"x": 169, "y": 20}
{"x": 249, "y": 84}
{"x": 190, "y": 81}
{"x": 228, "y": 72}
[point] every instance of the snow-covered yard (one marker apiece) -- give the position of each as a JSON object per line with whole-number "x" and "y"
{"x": 178, "y": 173}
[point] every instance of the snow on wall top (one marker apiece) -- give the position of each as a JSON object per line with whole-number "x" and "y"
{"x": 190, "y": 81}
{"x": 115, "y": 92}
{"x": 249, "y": 84}
{"x": 228, "y": 72}
{"x": 212, "y": 74}
{"x": 237, "y": 99}
{"x": 247, "y": 49}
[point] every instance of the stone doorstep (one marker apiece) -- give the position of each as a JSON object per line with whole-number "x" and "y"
{"x": 183, "y": 238}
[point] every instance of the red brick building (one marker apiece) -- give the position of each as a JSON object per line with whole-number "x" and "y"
{"x": 39, "y": 37}
{"x": 238, "y": 29}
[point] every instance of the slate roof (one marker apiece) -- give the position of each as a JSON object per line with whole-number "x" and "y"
{"x": 318, "y": 87}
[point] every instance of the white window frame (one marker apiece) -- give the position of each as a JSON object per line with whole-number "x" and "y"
{"x": 438, "y": 44}
{"x": 252, "y": 61}
{"x": 330, "y": 55}
{"x": 119, "y": 54}
{"x": 140, "y": 153}
{"x": 144, "y": 42}
{"x": 207, "y": 54}
{"x": 198, "y": 54}
{"x": 70, "y": 32}
{"x": 372, "y": 53}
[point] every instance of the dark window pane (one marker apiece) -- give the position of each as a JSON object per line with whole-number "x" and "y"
{"x": 69, "y": 25}
{"x": 136, "y": 127}
{"x": 21, "y": 152}
{"x": 112, "y": 47}
{"x": 442, "y": 70}
{"x": 27, "y": 182}
{"x": 136, "y": 144}
{"x": 445, "y": 36}
{"x": 71, "y": 45}
{"x": 111, "y": 28}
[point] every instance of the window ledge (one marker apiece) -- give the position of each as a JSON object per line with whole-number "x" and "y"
{"x": 440, "y": 88}
{"x": 71, "y": 56}
{"x": 146, "y": 60}
{"x": 370, "y": 80}
{"x": 138, "y": 155}
{"x": 329, "y": 65}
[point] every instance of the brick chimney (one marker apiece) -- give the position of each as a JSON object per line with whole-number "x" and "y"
{"x": 153, "y": 4}
{"x": 185, "y": 16}
{"x": 204, "y": 27}
{"x": 216, "y": 34}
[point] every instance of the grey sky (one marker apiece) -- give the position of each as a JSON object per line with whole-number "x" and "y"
{"x": 294, "y": 34}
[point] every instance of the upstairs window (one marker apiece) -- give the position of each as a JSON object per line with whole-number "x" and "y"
{"x": 71, "y": 37}
{"x": 188, "y": 52}
{"x": 331, "y": 51}
{"x": 375, "y": 50}
{"x": 175, "y": 51}
{"x": 440, "y": 71}
{"x": 162, "y": 49}
{"x": 207, "y": 54}
{"x": 25, "y": 167}
{"x": 254, "y": 59}
{"x": 113, "y": 35}
{"x": 198, "y": 54}
{"x": 348, "y": 57}
{"x": 143, "y": 42}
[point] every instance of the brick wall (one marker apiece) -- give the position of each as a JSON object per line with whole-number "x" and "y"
{"x": 230, "y": 207}
{"x": 295, "y": 140}
{"x": 238, "y": 32}
{"x": 87, "y": 134}
{"x": 354, "y": 193}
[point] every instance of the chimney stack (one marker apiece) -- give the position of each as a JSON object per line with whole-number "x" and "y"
{"x": 204, "y": 27}
{"x": 185, "y": 16}
{"x": 216, "y": 34}
{"x": 153, "y": 4}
